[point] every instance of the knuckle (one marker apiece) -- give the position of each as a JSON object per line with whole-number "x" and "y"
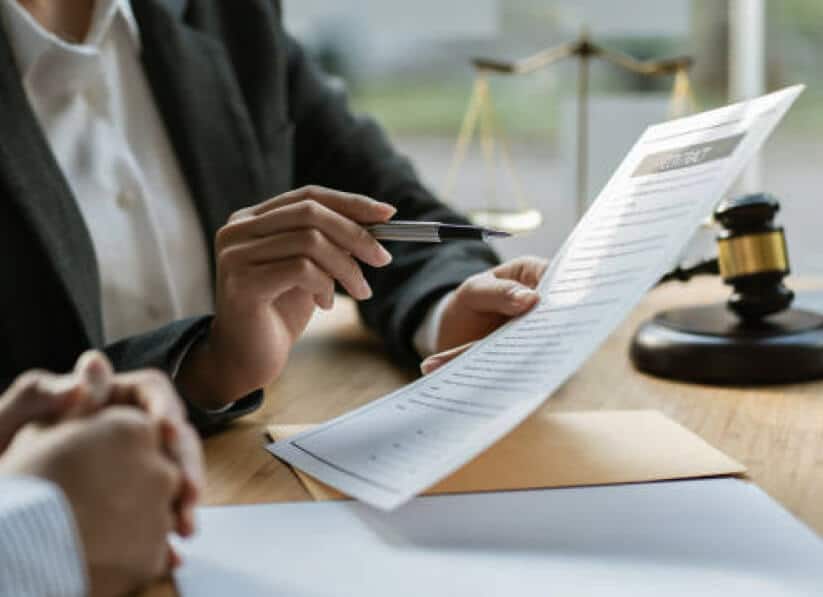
{"x": 363, "y": 236}
{"x": 28, "y": 380}
{"x": 154, "y": 378}
{"x": 312, "y": 190}
{"x": 167, "y": 477}
{"x": 131, "y": 427}
{"x": 313, "y": 239}
{"x": 228, "y": 233}
{"x": 310, "y": 210}
{"x": 463, "y": 293}
{"x": 230, "y": 258}
{"x": 534, "y": 267}
{"x": 222, "y": 237}
{"x": 303, "y": 266}
{"x": 240, "y": 214}
{"x": 510, "y": 290}
{"x": 471, "y": 285}
{"x": 268, "y": 205}
{"x": 531, "y": 261}
{"x": 234, "y": 228}
{"x": 156, "y": 375}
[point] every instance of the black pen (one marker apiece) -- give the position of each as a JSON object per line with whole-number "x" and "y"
{"x": 432, "y": 232}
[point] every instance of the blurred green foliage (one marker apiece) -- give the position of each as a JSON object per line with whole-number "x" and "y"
{"x": 437, "y": 107}
{"x": 802, "y": 17}
{"x": 434, "y": 103}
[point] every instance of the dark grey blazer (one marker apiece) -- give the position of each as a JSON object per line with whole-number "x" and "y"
{"x": 249, "y": 117}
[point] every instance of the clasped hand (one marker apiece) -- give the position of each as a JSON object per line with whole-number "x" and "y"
{"x": 120, "y": 449}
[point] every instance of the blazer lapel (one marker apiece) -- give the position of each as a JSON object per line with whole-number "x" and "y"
{"x": 34, "y": 182}
{"x": 209, "y": 127}
{"x": 203, "y": 110}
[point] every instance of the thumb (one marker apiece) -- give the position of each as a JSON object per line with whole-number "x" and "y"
{"x": 95, "y": 372}
{"x": 438, "y": 360}
{"x": 488, "y": 294}
{"x": 34, "y": 397}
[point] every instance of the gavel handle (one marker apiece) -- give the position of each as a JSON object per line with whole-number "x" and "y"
{"x": 709, "y": 267}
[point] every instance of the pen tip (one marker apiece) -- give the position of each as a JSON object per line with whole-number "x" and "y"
{"x": 497, "y": 233}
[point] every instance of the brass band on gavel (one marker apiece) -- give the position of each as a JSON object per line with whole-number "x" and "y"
{"x": 752, "y": 254}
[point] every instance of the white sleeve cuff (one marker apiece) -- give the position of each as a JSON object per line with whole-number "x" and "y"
{"x": 425, "y": 338}
{"x": 40, "y": 553}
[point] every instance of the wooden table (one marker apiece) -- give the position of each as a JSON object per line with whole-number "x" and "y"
{"x": 777, "y": 432}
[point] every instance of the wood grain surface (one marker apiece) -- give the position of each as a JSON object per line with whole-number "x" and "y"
{"x": 777, "y": 432}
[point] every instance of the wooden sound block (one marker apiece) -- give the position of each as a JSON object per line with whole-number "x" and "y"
{"x": 710, "y": 344}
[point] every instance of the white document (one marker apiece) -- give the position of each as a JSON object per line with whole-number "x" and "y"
{"x": 388, "y": 451}
{"x": 714, "y": 537}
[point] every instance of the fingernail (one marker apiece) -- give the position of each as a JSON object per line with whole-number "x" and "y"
{"x": 523, "y": 295}
{"x": 98, "y": 384}
{"x": 387, "y": 208}
{"x": 429, "y": 365}
{"x": 365, "y": 291}
{"x": 94, "y": 370}
{"x": 383, "y": 256}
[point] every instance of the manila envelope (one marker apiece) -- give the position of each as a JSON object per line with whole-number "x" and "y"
{"x": 572, "y": 449}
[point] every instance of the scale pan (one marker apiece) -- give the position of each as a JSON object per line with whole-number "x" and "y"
{"x": 514, "y": 222}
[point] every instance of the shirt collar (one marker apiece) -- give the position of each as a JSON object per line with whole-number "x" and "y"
{"x": 30, "y": 40}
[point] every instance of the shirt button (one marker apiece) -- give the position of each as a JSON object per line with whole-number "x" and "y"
{"x": 126, "y": 200}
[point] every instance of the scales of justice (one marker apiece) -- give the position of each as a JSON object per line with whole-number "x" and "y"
{"x": 523, "y": 216}
{"x": 755, "y": 336}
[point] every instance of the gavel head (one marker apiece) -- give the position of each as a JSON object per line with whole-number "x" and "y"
{"x": 752, "y": 256}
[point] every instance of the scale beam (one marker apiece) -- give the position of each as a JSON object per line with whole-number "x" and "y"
{"x": 584, "y": 50}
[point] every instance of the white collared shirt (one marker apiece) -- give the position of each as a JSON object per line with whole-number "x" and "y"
{"x": 96, "y": 109}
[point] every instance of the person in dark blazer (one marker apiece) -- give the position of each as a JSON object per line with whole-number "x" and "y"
{"x": 180, "y": 187}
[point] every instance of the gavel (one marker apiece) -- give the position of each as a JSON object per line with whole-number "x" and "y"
{"x": 752, "y": 256}
{"x": 755, "y": 337}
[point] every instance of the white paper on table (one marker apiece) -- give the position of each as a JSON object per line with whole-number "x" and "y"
{"x": 392, "y": 449}
{"x": 715, "y": 537}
